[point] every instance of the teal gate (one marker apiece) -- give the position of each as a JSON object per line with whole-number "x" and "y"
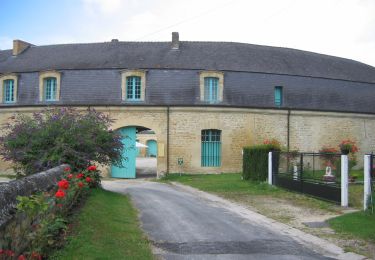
{"x": 129, "y": 154}
{"x": 152, "y": 148}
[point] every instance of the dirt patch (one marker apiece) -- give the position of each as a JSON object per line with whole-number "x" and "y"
{"x": 292, "y": 214}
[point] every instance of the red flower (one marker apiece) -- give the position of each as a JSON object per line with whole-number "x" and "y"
{"x": 21, "y": 257}
{"x": 63, "y": 184}
{"x": 70, "y": 176}
{"x": 9, "y": 252}
{"x": 60, "y": 194}
{"x": 35, "y": 255}
{"x": 80, "y": 175}
{"x": 91, "y": 168}
{"x": 80, "y": 184}
{"x": 2, "y": 251}
{"x": 59, "y": 205}
{"x": 67, "y": 169}
{"x": 88, "y": 179}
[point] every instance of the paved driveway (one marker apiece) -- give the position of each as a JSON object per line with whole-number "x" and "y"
{"x": 185, "y": 224}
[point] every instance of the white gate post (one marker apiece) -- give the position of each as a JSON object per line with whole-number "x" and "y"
{"x": 344, "y": 181}
{"x": 270, "y": 168}
{"x": 367, "y": 181}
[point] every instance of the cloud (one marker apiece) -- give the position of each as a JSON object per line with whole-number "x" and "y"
{"x": 102, "y": 6}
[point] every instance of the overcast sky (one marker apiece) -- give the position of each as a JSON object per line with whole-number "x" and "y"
{"x": 344, "y": 28}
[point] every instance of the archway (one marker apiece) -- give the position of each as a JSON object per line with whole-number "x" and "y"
{"x": 134, "y": 163}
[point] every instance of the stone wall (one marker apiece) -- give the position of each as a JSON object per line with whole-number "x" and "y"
{"x": 308, "y": 131}
{"x": 12, "y": 226}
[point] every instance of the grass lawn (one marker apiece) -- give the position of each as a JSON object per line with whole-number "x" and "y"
{"x": 231, "y": 185}
{"x": 107, "y": 227}
{"x": 358, "y": 224}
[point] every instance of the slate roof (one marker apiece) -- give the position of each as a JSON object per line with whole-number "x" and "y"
{"x": 226, "y": 56}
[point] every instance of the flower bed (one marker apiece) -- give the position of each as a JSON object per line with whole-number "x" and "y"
{"x": 40, "y": 222}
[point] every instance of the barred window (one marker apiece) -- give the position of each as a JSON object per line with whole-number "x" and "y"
{"x": 211, "y": 148}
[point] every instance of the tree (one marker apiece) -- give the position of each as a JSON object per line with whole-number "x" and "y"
{"x": 59, "y": 135}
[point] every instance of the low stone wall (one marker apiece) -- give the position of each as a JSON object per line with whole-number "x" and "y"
{"x": 39, "y": 182}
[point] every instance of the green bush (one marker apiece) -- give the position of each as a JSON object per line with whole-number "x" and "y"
{"x": 255, "y": 162}
{"x": 59, "y": 135}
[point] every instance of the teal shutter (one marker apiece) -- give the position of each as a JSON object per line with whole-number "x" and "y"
{"x": 133, "y": 88}
{"x": 278, "y": 96}
{"x": 8, "y": 91}
{"x": 211, "y": 90}
{"x": 211, "y": 148}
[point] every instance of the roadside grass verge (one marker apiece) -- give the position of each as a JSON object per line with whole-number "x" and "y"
{"x": 230, "y": 185}
{"x": 358, "y": 224}
{"x": 107, "y": 227}
{"x": 353, "y": 231}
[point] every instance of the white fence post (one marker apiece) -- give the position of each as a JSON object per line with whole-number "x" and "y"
{"x": 367, "y": 181}
{"x": 344, "y": 181}
{"x": 270, "y": 168}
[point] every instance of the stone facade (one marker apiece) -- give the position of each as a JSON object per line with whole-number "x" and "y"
{"x": 308, "y": 131}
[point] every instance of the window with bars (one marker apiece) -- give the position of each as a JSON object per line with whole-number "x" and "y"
{"x": 133, "y": 88}
{"x": 50, "y": 88}
{"x": 8, "y": 93}
{"x": 211, "y": 148}
{"x": 278, "y": 96}
{"x": 211, "y": 89}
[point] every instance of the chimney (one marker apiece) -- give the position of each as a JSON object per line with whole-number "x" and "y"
{"x": 175, "y": 41}
{"x": 19, "y": 46}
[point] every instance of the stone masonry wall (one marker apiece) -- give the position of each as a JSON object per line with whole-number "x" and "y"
{"x": 309, "y": 131}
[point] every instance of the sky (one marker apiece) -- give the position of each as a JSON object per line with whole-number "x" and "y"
{"x": 344, "y": 28}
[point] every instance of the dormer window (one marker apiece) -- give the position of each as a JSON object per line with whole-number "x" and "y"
{"x": 133, "y": 85}
{"x": 8, "y": 93}
{"x": 50, "y": 89}
{"x": 211, "y": 89}
{"x": 49, "y": 86}
{"x": 211, "y": 86}
{"x": 133, "y": 88}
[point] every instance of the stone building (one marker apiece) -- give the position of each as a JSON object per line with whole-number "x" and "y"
{"x": 203, "y": 100}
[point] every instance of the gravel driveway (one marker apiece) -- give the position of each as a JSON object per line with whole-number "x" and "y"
{"x": 183, "y": 223}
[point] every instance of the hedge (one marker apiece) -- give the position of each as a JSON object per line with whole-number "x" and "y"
{"x": 255, "y": 162}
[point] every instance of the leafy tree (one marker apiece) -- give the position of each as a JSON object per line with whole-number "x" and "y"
{"x": 59, "y": 135}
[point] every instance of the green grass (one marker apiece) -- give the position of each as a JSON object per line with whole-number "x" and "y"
{"x": 107, "y": 227}
{"x": 9, "y": 176}
{"x": 231, "y": 185}
{"x": 359, "y": 224}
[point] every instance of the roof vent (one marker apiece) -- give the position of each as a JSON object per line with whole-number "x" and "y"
{"x": 175, "y": 41}
{"x": 114, "y": 40}
{"x": 20, "y": 46}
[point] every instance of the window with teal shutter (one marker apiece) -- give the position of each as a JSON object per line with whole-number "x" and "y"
{"x": 278, "y": 96}
{"x": 50, "y": 89}
{"x": 211, "y": 89}
{"x": 211, "y": 148}
{"x": 133, "y": 88}
{"x": 8, "y": 91}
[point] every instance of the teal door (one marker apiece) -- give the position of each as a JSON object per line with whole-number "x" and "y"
{"x": 129, "y": 154}
{"x": 152, "y": 148}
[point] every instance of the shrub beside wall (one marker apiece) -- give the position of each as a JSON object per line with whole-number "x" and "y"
{"x": 255, "y": 162}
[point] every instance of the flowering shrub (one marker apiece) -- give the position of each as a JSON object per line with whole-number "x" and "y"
{"x": 59, "y": 135}
{"x": 273, "y": 144}
{"x": 329, "y": 155}
{"x": 48, "y": 212}
{"x": 348, "y": 146}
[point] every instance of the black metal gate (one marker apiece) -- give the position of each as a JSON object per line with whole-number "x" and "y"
{"x": 314, "y": 174}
